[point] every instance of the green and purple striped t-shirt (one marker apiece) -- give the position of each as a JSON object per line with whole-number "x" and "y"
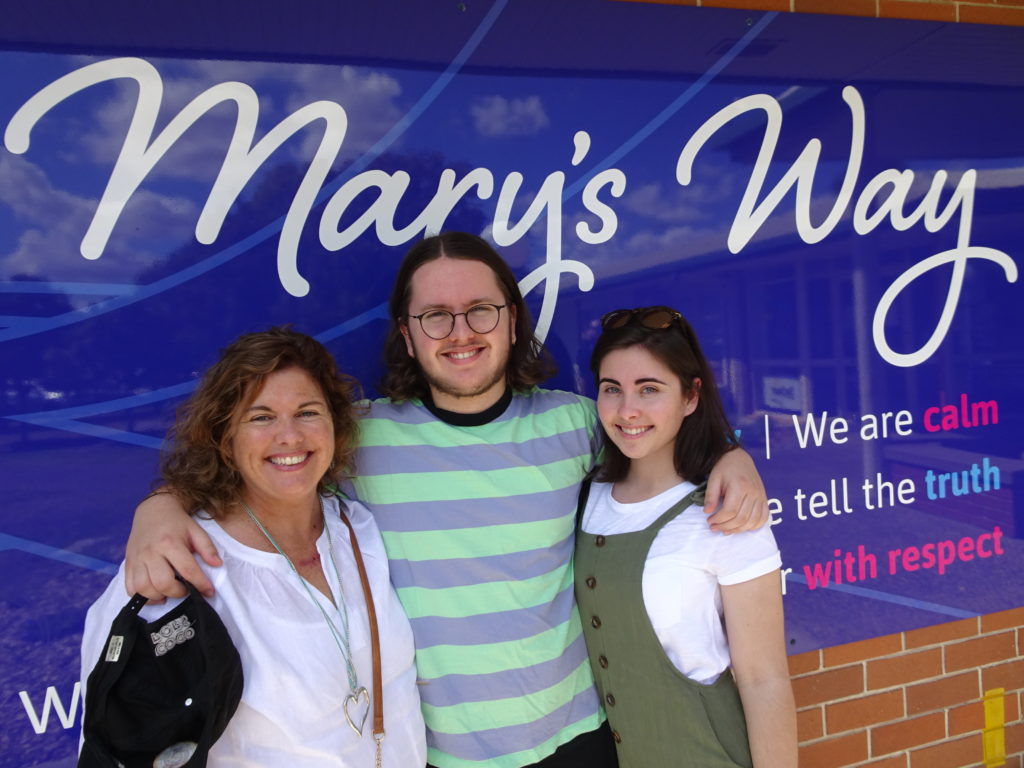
{"x": 478, "y": 526}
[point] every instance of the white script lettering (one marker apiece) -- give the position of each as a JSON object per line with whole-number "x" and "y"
{"x": 751, "y": 214}
{"x": 141, "y": 151}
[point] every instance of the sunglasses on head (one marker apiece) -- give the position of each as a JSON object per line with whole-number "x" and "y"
{"x": 653, "y": 318}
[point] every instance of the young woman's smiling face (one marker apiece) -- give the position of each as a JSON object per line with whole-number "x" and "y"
{"x": 642, "y": 404}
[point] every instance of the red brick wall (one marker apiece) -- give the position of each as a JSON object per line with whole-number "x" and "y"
{"x": 972, "y": 11}
{"x": 915, "y": 699}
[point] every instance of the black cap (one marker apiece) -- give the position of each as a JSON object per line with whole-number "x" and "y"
{"x": 160, "y": 687}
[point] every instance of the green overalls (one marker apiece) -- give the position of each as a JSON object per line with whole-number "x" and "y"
{"x": 658, "y": 716}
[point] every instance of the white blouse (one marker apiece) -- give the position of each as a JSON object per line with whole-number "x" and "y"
{"x": 685, "y": 568}
{"x": 291, "y": 712}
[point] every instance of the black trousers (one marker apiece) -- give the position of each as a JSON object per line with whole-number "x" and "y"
{"x": 594, "y": 749}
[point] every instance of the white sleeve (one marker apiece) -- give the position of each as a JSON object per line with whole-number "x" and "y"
{"x": 98, "y": 619}
{"x": 745, "y": 556}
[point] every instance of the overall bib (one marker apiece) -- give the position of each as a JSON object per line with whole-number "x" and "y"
{"x": 659, "y": 717}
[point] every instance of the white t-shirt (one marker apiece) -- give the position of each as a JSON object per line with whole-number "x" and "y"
{"x": 291, "y": 712}
{"x": 686, "y": 565}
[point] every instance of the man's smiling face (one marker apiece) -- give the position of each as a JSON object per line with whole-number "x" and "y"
{"x": 466, "y": 370}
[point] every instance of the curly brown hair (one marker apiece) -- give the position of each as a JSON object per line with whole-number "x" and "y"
{"x": 195, "y": 465}
{"x": 529, "y": 363}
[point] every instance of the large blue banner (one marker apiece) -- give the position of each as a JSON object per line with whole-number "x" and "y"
{"x": 834, "y": 203}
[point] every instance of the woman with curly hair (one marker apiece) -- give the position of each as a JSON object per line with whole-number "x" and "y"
{"x": 254, "y": 456}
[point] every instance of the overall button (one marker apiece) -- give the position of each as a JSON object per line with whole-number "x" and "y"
{"x": 603, "y": 661}
{"x": 610, "y": 700}
{"x": 599, "y": 540}
{"x": 591, "y": 582}
{"x": 595, "y": 622}
{"x": 615, "y": 735}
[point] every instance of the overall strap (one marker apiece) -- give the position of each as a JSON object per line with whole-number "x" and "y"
{"x": 696, "y": 496}
{"x": 581, "y": 505}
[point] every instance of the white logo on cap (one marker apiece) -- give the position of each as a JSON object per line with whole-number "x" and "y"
{"x": 171, "y": 634}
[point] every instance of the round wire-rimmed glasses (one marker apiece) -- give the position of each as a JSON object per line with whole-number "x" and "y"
{"x": 439, "y": 323}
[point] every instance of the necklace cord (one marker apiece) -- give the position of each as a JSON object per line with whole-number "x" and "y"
{"x": 378, "y": 700}
{"x": 342, "y": 638}
{"x": 371, "y": 612}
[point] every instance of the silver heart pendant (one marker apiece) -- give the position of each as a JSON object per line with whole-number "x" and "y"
{"x": 360, "y": 699}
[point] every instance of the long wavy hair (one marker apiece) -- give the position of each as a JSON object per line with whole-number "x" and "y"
{"x": 195, "y": 462}
{"x": 705, "y": 435}
{"x": 529, "y": 363}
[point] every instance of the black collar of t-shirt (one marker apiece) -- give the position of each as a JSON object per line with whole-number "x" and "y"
{"x": 485, "y": 416}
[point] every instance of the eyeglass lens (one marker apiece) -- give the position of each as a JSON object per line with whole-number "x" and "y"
{"x": 657, "y": 319}
{"x": 654, "y": 318}
{"x": 439, "y": 323}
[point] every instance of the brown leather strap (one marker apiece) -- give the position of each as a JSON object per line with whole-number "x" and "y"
{"x": 378, "y": 687}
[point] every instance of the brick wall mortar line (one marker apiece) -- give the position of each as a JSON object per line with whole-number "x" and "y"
{"x": 934, "y": 678}
{"x": 987, "y": 664}
{"x": 861, "y": 664}
{"x": 923, "y": 745}
{"x": 872, "y": 756}
{"x": 834, "y": 737}
{"x": 906, "y": 750}
{"x": 977, "y": 677}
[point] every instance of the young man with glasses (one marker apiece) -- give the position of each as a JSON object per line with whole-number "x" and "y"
{"x": 472, "y": 472}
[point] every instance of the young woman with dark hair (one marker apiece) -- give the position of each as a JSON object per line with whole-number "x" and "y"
{"x": 683, "y": 626}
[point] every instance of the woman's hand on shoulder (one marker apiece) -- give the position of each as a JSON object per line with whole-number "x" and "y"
{"x": 161, "y": 544}
{"x": 735, "y": 498}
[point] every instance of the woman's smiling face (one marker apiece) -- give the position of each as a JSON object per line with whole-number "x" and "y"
{"x": 283, "y": 441}
{"x": 642, "y": 404}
